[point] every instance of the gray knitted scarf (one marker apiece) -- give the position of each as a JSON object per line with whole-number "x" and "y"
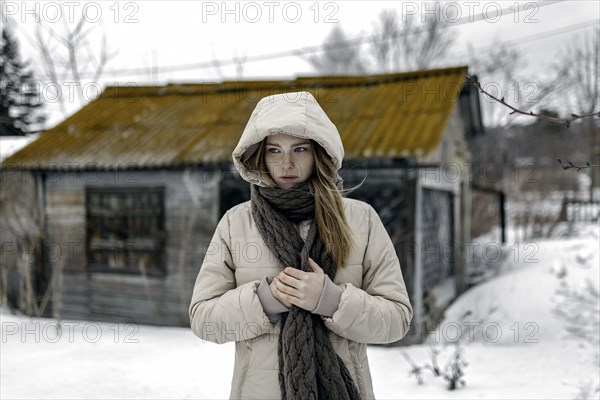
{"x": 309, "y": 367}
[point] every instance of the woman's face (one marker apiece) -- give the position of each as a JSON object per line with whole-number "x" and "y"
{"x": 289, "y": 159}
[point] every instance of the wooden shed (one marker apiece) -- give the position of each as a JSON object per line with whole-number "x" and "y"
{"x": 130, "y": 188}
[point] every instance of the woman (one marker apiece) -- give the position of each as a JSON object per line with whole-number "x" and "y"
{"x": 300, "y": 277}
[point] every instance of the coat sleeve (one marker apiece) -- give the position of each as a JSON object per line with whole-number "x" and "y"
{"x": 380, "y": 310}
{"x": 220, "y": 311}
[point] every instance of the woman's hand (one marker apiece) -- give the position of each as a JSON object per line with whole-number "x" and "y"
{"x": 277, "y": 294}
{"x": 303, "y": 289}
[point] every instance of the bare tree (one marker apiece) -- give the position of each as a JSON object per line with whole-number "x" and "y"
{"x": 402, "y": 44}
{"x": 578, "y": 69}
{"x": 75, "y": 42}
{"x": 386, "y": 51}
{"x": 340, "y": 55}
{"x": 394, "y": 45}
{"x": 69, "y": 60}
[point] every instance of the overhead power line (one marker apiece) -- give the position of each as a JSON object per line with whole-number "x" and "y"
{"x": 313, "y": 49}
{"x": 541, "y": 35}
{"x": 299, "y": 52}
{"x": 319, "y": 48}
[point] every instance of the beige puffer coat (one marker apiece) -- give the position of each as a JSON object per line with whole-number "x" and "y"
{"x": 374, "y": 306}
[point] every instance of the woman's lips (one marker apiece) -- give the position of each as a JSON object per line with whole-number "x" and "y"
{"x": 289, "y": 178}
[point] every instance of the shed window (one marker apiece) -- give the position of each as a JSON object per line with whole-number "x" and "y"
{"x": 125, "y": 230}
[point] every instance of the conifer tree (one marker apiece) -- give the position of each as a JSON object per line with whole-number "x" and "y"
{"x": 20, "y": 101}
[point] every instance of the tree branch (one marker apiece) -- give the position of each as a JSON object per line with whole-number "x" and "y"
{"x": 569, "y": 164}
{"x": 49, "y": 62}
{"x": 565, "y": 121}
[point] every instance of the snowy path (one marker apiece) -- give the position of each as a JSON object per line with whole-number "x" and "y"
{"x": 90, "y": 361}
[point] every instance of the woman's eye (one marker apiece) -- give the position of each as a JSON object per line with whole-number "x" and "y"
{"x": 301, "y": 149}
{"x": 273, "y": 150}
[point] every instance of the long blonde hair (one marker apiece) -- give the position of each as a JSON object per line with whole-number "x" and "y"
{"x": 329, "y": 209}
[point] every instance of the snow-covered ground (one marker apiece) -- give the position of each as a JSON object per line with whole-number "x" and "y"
{"x": 516, "y": 346}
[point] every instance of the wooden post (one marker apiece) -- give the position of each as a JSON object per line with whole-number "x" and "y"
{"x": 503, "y": 215}
{"x": 418, "y": 310}
{"x": 41, "y": 255}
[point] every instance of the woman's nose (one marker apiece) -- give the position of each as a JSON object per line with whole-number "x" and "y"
{"x": 287, "y": 163}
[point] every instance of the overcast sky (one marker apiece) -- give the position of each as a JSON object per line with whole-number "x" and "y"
{"x": 155, "y": 42}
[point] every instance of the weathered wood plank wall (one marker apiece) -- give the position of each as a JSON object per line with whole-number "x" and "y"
{"x": 130, "y": 298}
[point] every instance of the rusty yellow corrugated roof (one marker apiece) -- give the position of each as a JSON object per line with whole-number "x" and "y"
{"x": 378, "y": 116}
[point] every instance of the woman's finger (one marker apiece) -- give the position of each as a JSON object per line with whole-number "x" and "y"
{"x": 316, "y": 267}
{"x": 294, "y": 273}
{"x": 282, "y": 287}
{"x": 288, "y": 280}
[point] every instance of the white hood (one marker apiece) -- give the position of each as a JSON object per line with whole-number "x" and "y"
{"x": 297, "y": 114}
